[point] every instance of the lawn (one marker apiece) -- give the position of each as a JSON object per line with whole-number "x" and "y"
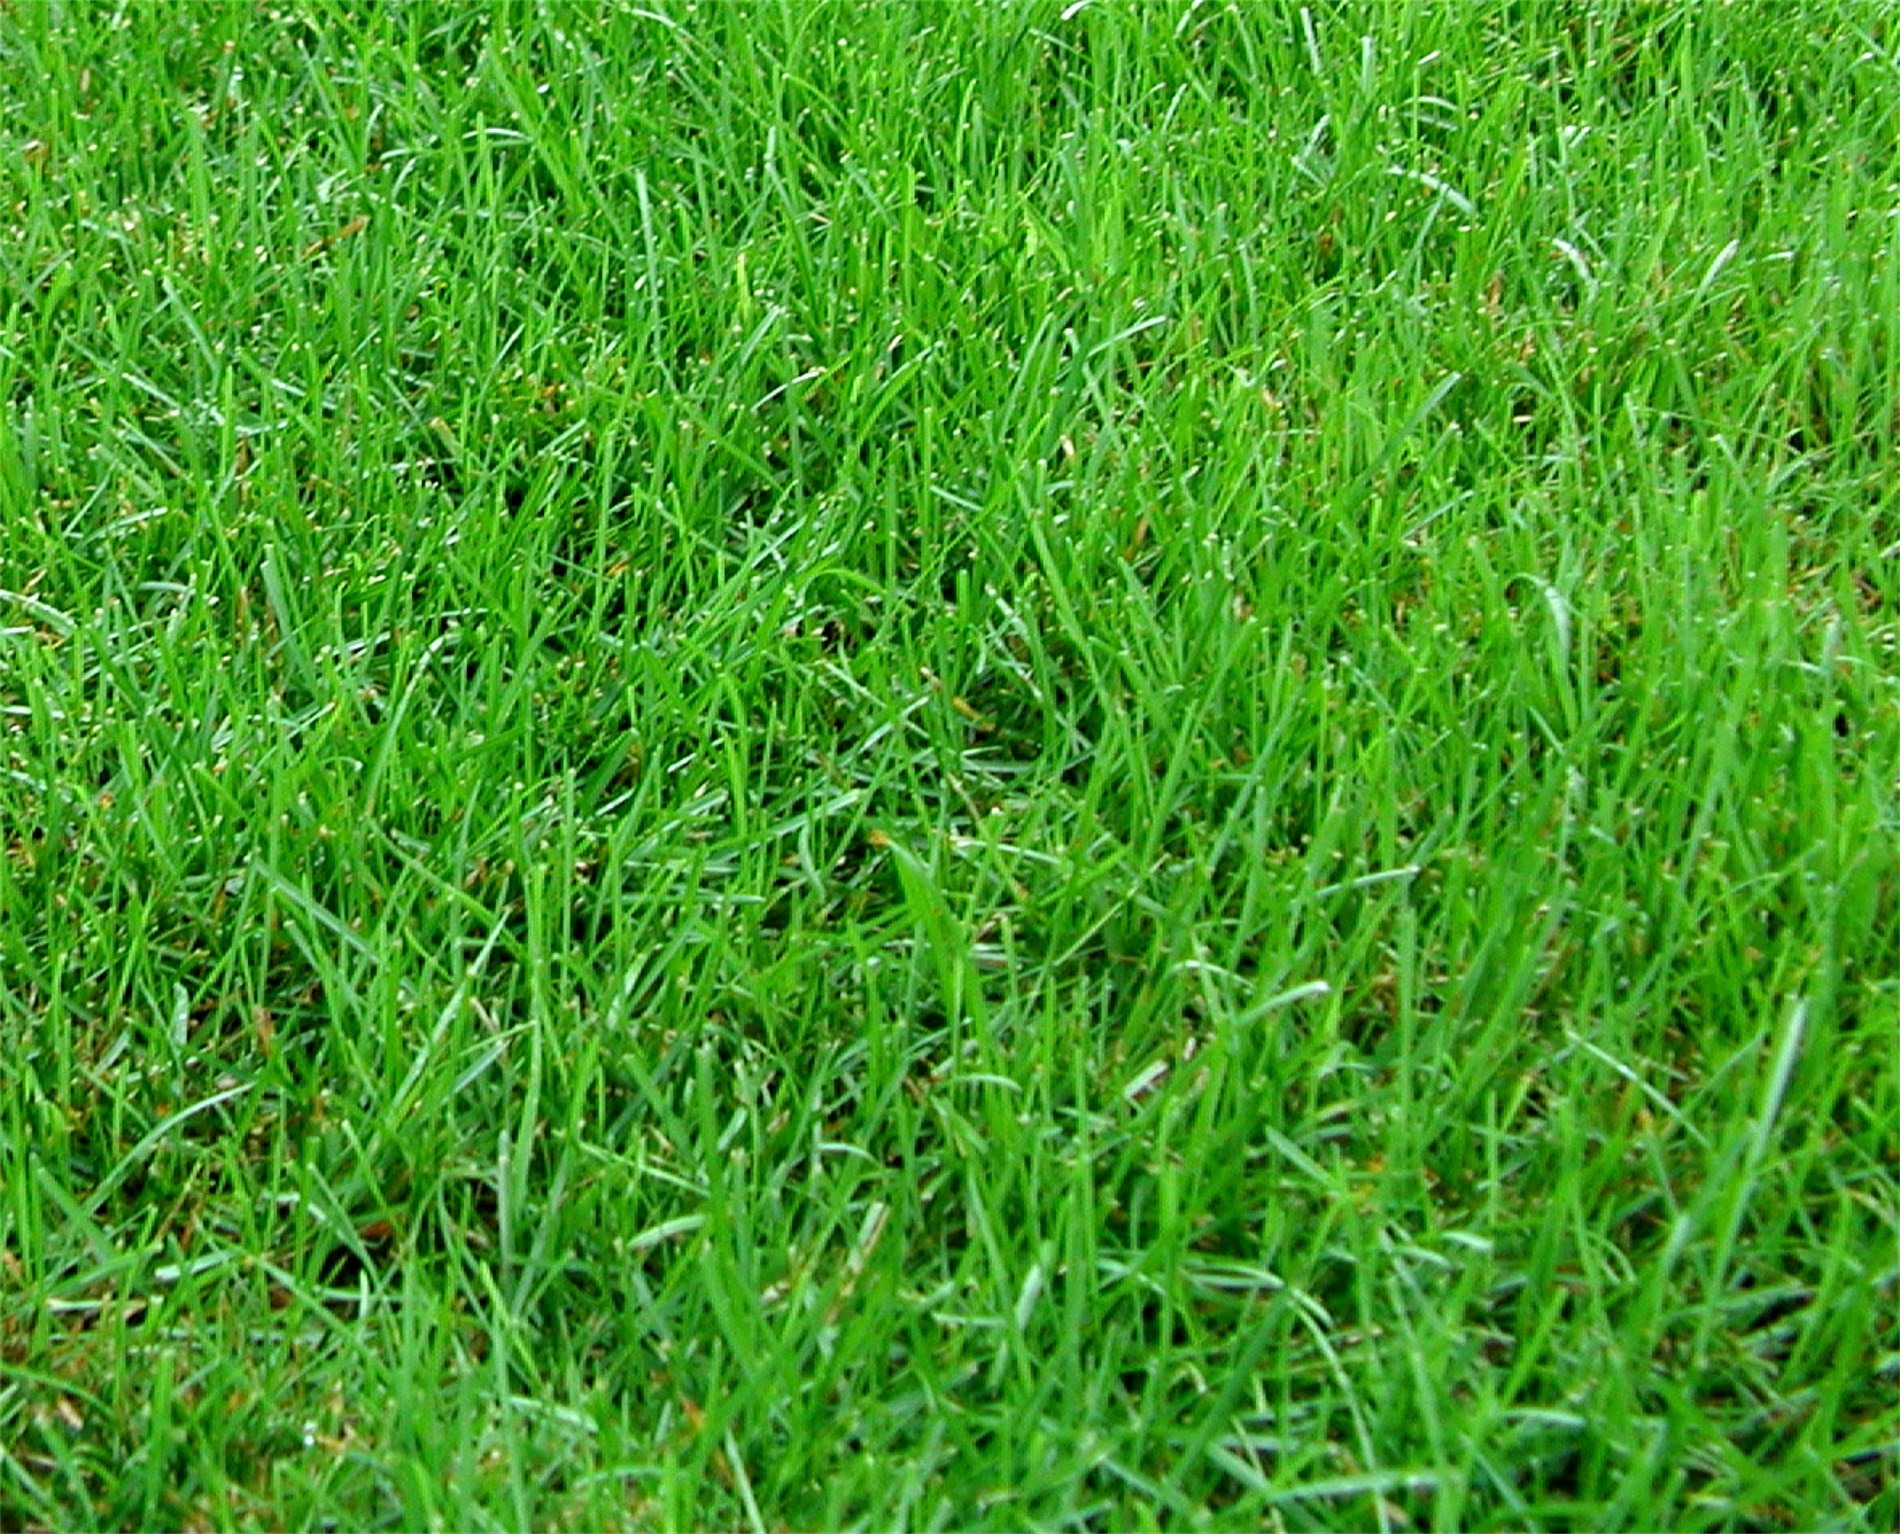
{"x": 942, "y": 765}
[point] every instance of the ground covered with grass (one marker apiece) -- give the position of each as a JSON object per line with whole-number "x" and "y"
{"x": 932, "y": 765}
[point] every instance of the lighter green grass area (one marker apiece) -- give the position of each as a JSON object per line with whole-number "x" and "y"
{"x": 924, "y": 766}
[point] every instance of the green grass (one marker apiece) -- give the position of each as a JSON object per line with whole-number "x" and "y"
{"x": 928, "y": 765}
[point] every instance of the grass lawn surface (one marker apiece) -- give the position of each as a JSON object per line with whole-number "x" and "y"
{"x": 941, "y": 765}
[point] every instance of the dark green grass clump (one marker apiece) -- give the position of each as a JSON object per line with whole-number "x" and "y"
{"x": 916, "y": 765}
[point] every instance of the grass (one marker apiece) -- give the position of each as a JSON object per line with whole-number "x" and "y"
{"x": 940, "y": 765}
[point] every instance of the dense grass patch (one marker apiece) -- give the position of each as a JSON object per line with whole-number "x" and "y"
{"x": 957, "y": 765}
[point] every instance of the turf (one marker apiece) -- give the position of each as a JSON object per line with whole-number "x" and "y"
{"x": 939, "y": 765}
